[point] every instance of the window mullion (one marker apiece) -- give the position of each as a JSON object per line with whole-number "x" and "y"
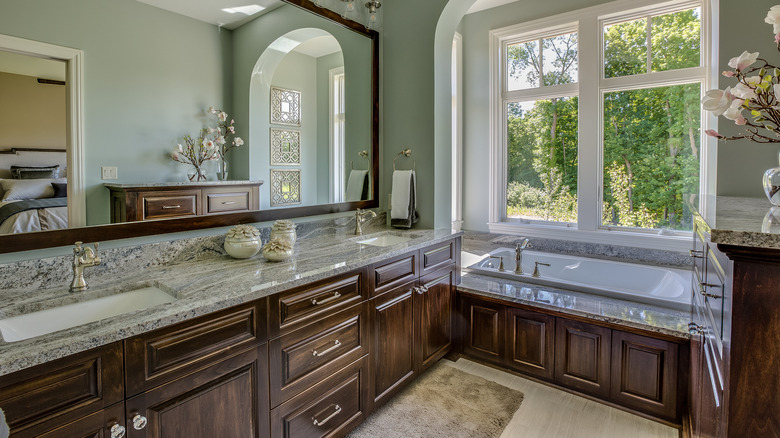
{"x": 589, "y": 121}
{"x": 649, "y": 32}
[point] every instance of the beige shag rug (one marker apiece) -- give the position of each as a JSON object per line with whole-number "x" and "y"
{"x": 444, "y": 402}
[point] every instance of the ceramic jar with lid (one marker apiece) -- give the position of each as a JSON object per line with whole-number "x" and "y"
{"x": 243, "y": 241}
{"x": 284, "y": 230}
{"x": 278, "y": 250}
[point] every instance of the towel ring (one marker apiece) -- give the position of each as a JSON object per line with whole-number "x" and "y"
{"x": 408, "y": 153}
{"x": 364, "y": 154}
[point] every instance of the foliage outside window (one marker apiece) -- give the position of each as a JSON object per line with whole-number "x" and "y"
{"x": 649, "y": 89}
{"x": 652, "y": 137}
{"x": 541, "y": 133}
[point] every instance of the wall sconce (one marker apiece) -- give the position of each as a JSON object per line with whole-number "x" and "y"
{"x": 372, "y": 6}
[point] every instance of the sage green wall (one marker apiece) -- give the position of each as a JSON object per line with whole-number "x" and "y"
{"x": 148, "y": 76}
{"x": 741, "y": 164}
{"x": 408, "y": 83}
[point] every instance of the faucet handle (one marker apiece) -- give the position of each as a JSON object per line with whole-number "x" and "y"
{"x": 536, "y": 268}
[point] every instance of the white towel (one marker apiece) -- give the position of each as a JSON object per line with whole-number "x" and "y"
{"x": 403, "y": 207}
{"x": 355, "y": 184}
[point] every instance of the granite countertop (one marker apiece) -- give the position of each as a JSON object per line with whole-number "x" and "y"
{"x": 179, "y": 183}
{"x": 202, "y": 286}
{"x": 598, "y": 308}
{"x": 741, "y": 221}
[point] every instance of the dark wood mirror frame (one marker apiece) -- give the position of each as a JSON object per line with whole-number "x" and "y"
{"x": 99, "y": 233}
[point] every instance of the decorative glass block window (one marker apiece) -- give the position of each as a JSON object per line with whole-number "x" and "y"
{"x": 285, "y": 106}
{"x": 285, "y": 147}
{"x": 285, "y": 187}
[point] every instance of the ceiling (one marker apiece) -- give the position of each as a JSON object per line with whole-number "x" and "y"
{"x": 31, "y": 66}
{"x": 214, "y": 11}
{"x": 229, "y": 14}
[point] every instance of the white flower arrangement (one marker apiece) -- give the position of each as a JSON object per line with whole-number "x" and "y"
{"x": 211, "y": 144}
{"x": 757, "y": 91}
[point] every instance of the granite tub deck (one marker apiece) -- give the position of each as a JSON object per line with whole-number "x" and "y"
{"x": 642, "y": 316}
{"x": 208, "y": 284}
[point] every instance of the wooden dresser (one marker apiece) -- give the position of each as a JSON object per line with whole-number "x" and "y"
{"x": 735, "y": 347}
{"x": 140, "y": 202}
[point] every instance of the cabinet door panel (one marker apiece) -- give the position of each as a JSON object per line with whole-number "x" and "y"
{"x": 582, "y": 356}
{"x": 304, "y": 357}
{"x": 393, "y": 342}
{"x": 304, "y": 305}
{"x": 392, "y": 273}
{"x": 330, "y": 408}
{"x": 224, "y": 400}
{"x": 97, "y": 425}
{"x": 484, "y": 330}
{"x": 433, "y": 308}
{"x": 531, "y": 338}
{"x": 644, "y": 374}
{"x": 162, "y": 355}
{"x": 439, "y": 256}
{"x": 43, "y": 397}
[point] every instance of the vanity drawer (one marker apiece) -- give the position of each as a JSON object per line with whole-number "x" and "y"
{"x": 330, "y": 408}
{"x": 438, "y": 256}
{"x": 394, "y": 272}
{"x": 306, "y": 356}
{"x": 50, "y": 395}
{"x": 223, "y": 199}
{"x": 221, "y": 202}
{"x": 303, "y": 305}
{"x": 162, "y": 355}
{"x": 158, "y": 205}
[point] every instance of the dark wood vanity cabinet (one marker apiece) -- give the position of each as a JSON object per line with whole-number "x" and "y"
{"x": 412, "y": 317}
{"x": 140, "y": 203}
{"x": 312, "y": 361}
{"x": 635, "y": 371}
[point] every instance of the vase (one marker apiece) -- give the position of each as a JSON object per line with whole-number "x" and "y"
{"x": 242, "y": 248}
{"x": 772, "y": 184}
{"x": 196, "y": 174}
{"x": 288, "y": 235}
{"x": 277, "y": 255}
{"x": 222, "y": 170}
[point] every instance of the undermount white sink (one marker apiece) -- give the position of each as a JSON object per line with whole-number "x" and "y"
{"x": 30, "y": 325}
{"x": 384, "y": 240}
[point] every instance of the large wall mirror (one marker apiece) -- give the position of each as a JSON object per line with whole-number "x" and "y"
{"x": 112, "y": 98}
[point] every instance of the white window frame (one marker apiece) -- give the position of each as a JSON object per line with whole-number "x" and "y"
{"x": 590, "y": 90}
{"x": 336, "y": 117}
{"x": 457, "y": 131}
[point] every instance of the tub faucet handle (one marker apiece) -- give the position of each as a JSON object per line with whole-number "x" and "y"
{"x": 536, "y": 268}
{"x": 500, "y": 263}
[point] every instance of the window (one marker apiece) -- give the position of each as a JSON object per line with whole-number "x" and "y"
{"x": 596, "y": 122}
{"x": 337, "y": 133}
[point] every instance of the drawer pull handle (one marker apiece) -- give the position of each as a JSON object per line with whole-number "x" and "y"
{"x": 326, "y": 300}
{"x": 117, "y": 431}
{"x": 703, "y": 287}
{"x": 335, "y": 412}
{"x": 421, "y": 290}
{"x": 228, "y": 202}
{"x": 139, "y": 422}
{"x": 335, "y": 345}
{"x": 168, "y": 207}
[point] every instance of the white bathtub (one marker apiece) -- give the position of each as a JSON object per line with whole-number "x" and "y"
{"x": 664, "y": 287}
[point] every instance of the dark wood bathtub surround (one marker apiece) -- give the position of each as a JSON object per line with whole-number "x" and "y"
{"x": 636, "y": 370}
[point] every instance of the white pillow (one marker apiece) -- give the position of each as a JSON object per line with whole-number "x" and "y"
{"x": 19, "y": 189}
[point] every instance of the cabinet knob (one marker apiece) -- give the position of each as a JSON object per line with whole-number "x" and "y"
{"x": 117, "y": 431}
{"x": 421, "y": 289}
{"x": 139, "y": 422}
{"x": 695, "y": 329}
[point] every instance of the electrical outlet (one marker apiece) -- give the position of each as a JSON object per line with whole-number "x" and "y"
{"x": 108, "y": 172}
